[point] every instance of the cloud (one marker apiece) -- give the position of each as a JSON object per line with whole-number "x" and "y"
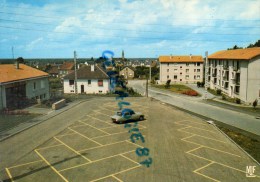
{"x": 33, "y": 44}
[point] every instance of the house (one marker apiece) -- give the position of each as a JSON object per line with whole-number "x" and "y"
{"x": 54, "y": 71}
{"x": 127, "y": 72}
{"x": 236, "y": 73}
{"x": 19, "y": 83}
{"x": 90, "y": 79}
{"x": 181, "y": 69}
{"x": 66, "y": 68}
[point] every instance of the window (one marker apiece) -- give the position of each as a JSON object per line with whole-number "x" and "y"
{"x": 198, "y": 76}
{"x": 181, "y": 67}
{"x": 198, "y": 70}
{"x": 44, "y": 96}
{"x": 34, "y": 85}
{"x": 175, "y": 77}
{"x": 187, "y": 70}
{"x": 187, "y": 77}
{"x": 42, "y": 84}
{"x": 167, "y": 70}
{"x": 194, "y": 77}
{"x": 100, "y": 91}
{"x": 198, "y": 64}
{"x": 175, "y": 70}
{"x": 71, "y": 82}
{"x": 89, "y": 82}
{"x": 181, "y": 73}
{"x": 194, "y": 64}
{"x": 100, "y": 83}
{"x": 167, "y": 76}
{"x": 194, "y": 70}
{"x": 187, "y": 64}
{"x": 180, "y": 79}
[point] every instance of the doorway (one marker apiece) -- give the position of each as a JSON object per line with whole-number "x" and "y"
{"x": 82, "y": 89}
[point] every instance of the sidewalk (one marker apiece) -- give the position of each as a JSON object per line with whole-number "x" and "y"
{"x": 26, "y": 125}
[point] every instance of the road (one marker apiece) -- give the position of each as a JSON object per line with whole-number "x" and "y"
{"x": 240, "y": 120}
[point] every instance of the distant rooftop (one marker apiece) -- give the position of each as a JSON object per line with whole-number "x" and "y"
{"x": 9, "y": 73}
{"x": 178, "y": 59}
{"x": 240, "y": 54}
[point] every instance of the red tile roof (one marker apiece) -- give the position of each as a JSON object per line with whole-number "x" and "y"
{"x": 9, "y": 73}
{"x": 67, "y": 66}
{"x": 178, "y": 59}
{"x": 243, "y": 54}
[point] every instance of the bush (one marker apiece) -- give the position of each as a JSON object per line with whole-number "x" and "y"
{"x": 202, "y": 84}
{"x": 190, "y": 93}
{"x": 198, "y": 84}
{"x": 153, "y": 81}
{"x": 224, "y": 97}
{"x": 238, "y": 101}
{"x": 218, "y": 91}
{"x": 167, "y": 85}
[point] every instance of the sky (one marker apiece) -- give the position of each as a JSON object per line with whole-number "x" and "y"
{"x": 142, "y": 28}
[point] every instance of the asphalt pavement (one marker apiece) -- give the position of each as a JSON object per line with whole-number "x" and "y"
{"x": 237, "y": 119}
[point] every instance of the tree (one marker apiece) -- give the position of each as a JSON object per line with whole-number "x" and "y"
{"x": 20, "y": 60}
{"x": 257, "y": 44}
{"x": 255, "y": 103}
{"x": 167, "y": 85}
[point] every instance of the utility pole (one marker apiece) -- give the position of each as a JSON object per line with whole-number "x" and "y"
{"x": 75, "y": 68}
{"x": 150, "y": 78}
{"x": 206, "y": 75}
{"x": 146, "y": 92}
{"x": 13, "y": 52}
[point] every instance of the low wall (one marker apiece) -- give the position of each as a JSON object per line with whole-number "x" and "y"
{"x": 59, "y": 104}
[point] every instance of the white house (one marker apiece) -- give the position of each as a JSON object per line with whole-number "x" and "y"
{"x": 181, "y": 69}
{"x": 19, "y": 83}
{"x": 90, "y": 79}
{"x": 236, "y": 73}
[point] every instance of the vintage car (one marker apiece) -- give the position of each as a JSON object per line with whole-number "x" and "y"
{"x": 127, "y": 115}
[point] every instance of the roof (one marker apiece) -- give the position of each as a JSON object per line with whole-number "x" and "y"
{"x": 9, "y": 73}
{"x": 53, "y": 70}
{"x": 85, "y": 73}
{"x": 129, "y": 67}
{"x": 67, "y": 66}
{"x": 178, "y": 59}
{"x": 244, "y": 54}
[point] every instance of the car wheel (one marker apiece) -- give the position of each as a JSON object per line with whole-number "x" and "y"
{"x": 141, "y": 118}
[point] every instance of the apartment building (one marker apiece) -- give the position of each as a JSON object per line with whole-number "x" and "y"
{"x": 181, "y": 69}
{"x": 236, "y": 73}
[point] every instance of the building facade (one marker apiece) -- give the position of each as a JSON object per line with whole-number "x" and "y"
{"x": 90, "y": 80}
{"x": 181, "y": 69}
{"x": 127, "y": 72}
{"x": 19, "y": 83}
{"x": 65, "y": 68}
{"x": 236, "y": 73}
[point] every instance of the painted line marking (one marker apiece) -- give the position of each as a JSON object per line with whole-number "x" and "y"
{"x": 95, "y": 128}
{"x": 48, "y": 147}
{"x": 130, "y": 159}
{"x": 85, "y": 136}
{"x": 194, "y": 149}
{"x": 99, "y": 119}
{"x": 195, "y": 122}
{"x": 72, "y": 149}
{"x": 199, "y": 128}
{"x": 114, "y": 134}
{"x": 203, "y": 167}
{"x": 9, "y": 174}
{"x": 117, "y": 178}
{"x": 116, "y": 173}
{"x": 102, "y": 113}
{"x": 95, "y": 161}
{"x": 24, "y": 164}
{"x": 65, "y": 134}
{"x": 206, "y": 176}
{"x": 101, "y": 146}
{"x": 128, "y": 141}
{"x": 51, "y": 166}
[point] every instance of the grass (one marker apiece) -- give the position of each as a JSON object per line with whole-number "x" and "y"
{"x": 177, "y": 88}
{"x": 10, "y": 121}
{"x": 248, "y": 143}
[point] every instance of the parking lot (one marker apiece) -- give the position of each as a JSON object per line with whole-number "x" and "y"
{"x": 182, "y": 148}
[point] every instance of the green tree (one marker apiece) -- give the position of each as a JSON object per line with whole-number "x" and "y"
{"x": 20, "y": 60}
{"x": 167, "y": 85}
{"x": 255, "y": 103}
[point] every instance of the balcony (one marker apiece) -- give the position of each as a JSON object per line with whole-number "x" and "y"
{"x": 225, "y": 67}
{"x": 236, "y": 69}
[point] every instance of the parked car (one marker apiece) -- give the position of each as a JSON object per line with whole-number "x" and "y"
{"x": 127, "y": 115}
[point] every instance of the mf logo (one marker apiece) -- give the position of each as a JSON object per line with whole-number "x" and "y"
{"x": 250, "y": 170}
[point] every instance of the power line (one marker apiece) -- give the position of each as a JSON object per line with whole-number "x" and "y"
{"x": 148, "y": 38}
{"x": 112, "y": 14}
{"x": 52, "y": 17}
{"x": 118, "y": 29}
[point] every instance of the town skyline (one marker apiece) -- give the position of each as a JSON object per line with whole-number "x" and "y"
{"x": 140, "y": 28}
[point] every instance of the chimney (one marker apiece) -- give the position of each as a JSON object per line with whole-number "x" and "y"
{"x": 92, "y": 67}
{"x": 17, "y": 64}
{"x": 190, "y": 56}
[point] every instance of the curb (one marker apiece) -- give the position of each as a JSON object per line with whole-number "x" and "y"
{"x": 23, "y": 129}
